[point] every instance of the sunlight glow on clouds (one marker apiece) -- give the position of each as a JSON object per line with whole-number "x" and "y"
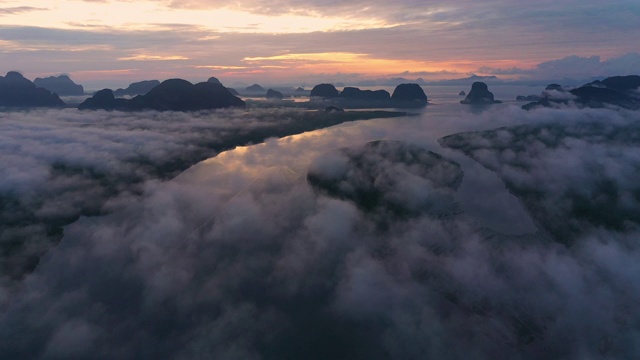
{"x": 220, "y": 67}
{"x": 364, "y": 63}
{"x": 154, "y": 58}
{"x": 148, "y": 15}
{"x": 327, "y": 56}
{"x": 18, "y": 10}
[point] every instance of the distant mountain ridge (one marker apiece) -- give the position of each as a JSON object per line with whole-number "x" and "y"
{"x": 61, "y": 85}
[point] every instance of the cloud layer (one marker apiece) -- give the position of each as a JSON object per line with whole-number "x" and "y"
{"x": 239, "y": 258}
{"x": 60, "y": 165}
{"x": 575, "y": 67}
{"x": 570, "y": 176}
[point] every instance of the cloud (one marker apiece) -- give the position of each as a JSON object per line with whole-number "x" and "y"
{"x": 19, "y": 10}
{"x": 576, "y": 67}
{"x": 153, "y": 58}
{"x": 239, "y": 257}
{"x": 332, "y": 57}
{"x": 533, "y": 23}
{"x": 428, "y": 37}
{"x": 60, "y": 165}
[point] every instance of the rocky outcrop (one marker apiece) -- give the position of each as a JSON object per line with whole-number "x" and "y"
{"x": 170, "y": 95}
{"x": 462, "y": 93}
{"x": 371, "y": 95}
{"x": 404, "y": 96}
{"x": 61, "y": 85}
{"x": 137, "y": 88}
{"x": 17, "y": 91}
{"x": 214, "y": 80}
{"x": 479, "y": 95}
{"x": 274, "y": 94}
{"x": 409, "y": 92}
{"x": 325, "y": 91}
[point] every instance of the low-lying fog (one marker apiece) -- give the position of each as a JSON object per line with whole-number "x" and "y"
{"x": 240, "y": 257}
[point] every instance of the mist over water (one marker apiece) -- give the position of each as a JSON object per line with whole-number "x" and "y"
{"x": 238, "y": 257}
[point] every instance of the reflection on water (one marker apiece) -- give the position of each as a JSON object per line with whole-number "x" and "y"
{"x": 482, "y": 196}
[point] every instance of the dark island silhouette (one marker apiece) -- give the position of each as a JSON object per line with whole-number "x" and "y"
{"x": 137, "y": 88}
{"x": 621, "y": 91}
{"x": 326, "y": 91}
{"x": 214, "y": 80}
{"x": 479, "y": 95}
{"x": 404, "y": 95}
{"x": 170, "y": 95}
{"x": 61, "y": 85}
{"x": 357, "y": 94}
{"x": 255, "y": 88}
{"x": 409, "y": 92}
{"x": 17, "y": 91}
{"x": 274, "y": 95}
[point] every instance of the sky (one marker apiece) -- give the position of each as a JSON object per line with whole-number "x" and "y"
{"x": 114, "y": 42}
